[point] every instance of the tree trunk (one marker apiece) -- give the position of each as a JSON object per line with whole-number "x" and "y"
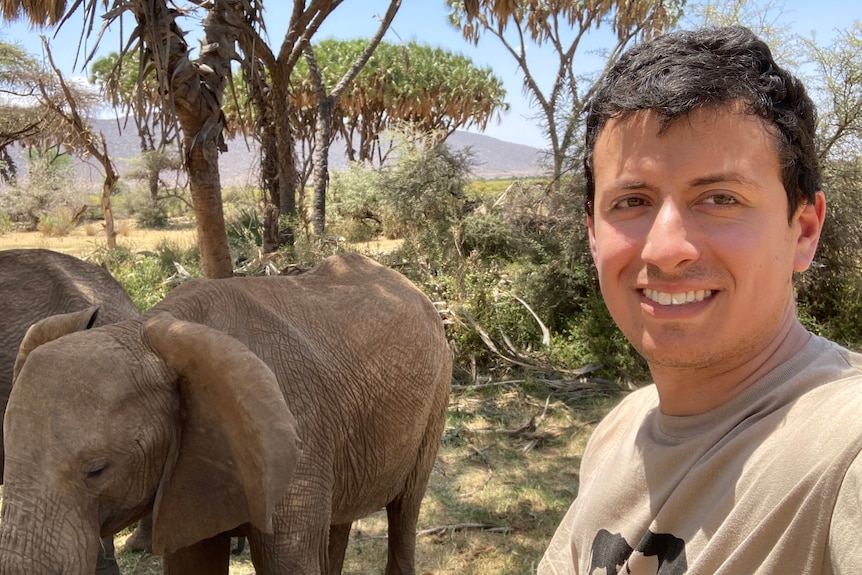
{"x": 205, "y": 187}
{"x": 153, "y": 183}
{"x": 255, "y": 77}
{"x": 321, "y": 165}
{"x": 196, "y": 90}
{"x": 286, "y": 161}
{"x": 108, "y": 186}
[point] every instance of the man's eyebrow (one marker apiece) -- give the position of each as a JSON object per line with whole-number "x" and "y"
{"x": 720, "y": 178}
{"x": 635, "y": 185}
{"x": 708, "y": 180}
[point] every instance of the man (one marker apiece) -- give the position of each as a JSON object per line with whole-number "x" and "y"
{"x": 703, "y": 198}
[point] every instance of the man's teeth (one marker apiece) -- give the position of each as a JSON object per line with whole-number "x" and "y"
{"x": 664, "y": 298}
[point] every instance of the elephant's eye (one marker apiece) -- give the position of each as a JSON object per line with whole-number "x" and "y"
{"x": 96, "y": 469}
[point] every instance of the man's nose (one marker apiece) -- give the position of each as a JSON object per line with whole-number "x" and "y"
{"x": 670, "y": 241}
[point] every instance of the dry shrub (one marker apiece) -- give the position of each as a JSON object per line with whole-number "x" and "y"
{"x": 58, "y": 222}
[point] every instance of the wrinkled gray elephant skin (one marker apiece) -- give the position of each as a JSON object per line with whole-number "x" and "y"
{"x": 35, "y": 284}
{"x": 279, "y": 408}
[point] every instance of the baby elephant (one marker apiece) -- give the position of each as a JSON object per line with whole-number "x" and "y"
{"x": 279, "y": 408}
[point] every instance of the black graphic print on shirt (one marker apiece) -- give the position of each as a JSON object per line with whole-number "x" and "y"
{"x": 611, "y": 552}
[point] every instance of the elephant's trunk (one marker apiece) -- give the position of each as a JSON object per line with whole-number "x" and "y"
{"x": 32, "y": 542}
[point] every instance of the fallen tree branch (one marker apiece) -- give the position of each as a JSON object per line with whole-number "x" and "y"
{"x": 457, "y": 386}
{"x": 442, "y": 530}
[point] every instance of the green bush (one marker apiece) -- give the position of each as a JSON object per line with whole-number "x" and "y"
{"x": 6, "y": 225}
{"x": 355, "y": 205}
{"x": 490, "y": 235}
{"x": 149, "y": 276}
{"x": 151, "y": 214}
{"x": 829, "y": 294}
{"x": 245, "y": 233}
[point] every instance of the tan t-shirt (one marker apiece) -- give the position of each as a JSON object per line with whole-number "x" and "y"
{"x": 769, "y": 483}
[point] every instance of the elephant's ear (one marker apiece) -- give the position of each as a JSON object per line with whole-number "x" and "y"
{"x": 238, "y": 445}
{"x": 51, "y": 328}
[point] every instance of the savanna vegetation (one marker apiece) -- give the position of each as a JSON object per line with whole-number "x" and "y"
{"x": 538, "y": 359}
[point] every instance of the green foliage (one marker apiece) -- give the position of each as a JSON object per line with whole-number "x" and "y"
{"x": 6, "y": 225}
{"x": 830, "y": 292}
{"x": 148, "y": 276}
{"x": 245, "y": 233}
{"x": 489, "y": 234}
{"x": 152, "y": 214}
{"x": 355, "y": 202}
{"x": 424, "y": 192}
{"x": 432, "y": 88}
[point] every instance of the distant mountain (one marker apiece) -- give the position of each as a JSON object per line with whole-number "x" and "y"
{"x": 238, "y": 167}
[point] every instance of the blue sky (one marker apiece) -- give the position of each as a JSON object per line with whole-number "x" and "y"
{"x": 425, "y": 21}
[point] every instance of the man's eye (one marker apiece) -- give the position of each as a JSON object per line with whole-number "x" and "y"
{"x": 720, "y": 199}
{"x": 629, "y": 202}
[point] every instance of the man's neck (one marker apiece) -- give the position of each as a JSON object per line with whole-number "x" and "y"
{"x": 695, "y": 391}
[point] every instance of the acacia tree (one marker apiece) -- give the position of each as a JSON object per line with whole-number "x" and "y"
{"x": 42, "y": 110}
{"x": 23, "y": 118}
{"x": 81, "y": 139}
{"x": 562, "y": 24}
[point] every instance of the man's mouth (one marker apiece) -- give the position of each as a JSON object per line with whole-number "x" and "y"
{"x": 664, "y": 298}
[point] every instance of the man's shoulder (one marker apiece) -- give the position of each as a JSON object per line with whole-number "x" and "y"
{"x": 841, "y": 361}
{"x": 835, "y": 376}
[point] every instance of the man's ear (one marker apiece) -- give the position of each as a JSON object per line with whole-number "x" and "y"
{"x": 810, "y": 220}
{"x": 592, "y": 231}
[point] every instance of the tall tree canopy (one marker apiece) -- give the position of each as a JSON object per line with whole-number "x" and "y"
{"x": 433, "y": 89}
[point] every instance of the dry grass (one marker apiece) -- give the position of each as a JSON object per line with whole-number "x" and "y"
{"x": 88, "y": 238}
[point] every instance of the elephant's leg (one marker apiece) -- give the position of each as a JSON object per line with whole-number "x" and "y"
{"x": 403, "y": 513}
{"x": 106, "y": 563}
{"x": 142, "y": 538}
{"x": 240, "y": 545}
{"x": 339, "y": 535}
{"x": 207, "y": 557}
{"x": 299, "y": 545}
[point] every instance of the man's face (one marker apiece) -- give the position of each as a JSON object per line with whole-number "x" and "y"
{"x": 691, "y": 238}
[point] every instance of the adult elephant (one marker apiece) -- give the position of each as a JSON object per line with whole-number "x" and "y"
{"x": 37, "y": 283}
{"x": 281, "y": 408}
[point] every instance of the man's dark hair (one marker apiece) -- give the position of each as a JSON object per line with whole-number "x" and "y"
{"x": 676, "y": 73}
